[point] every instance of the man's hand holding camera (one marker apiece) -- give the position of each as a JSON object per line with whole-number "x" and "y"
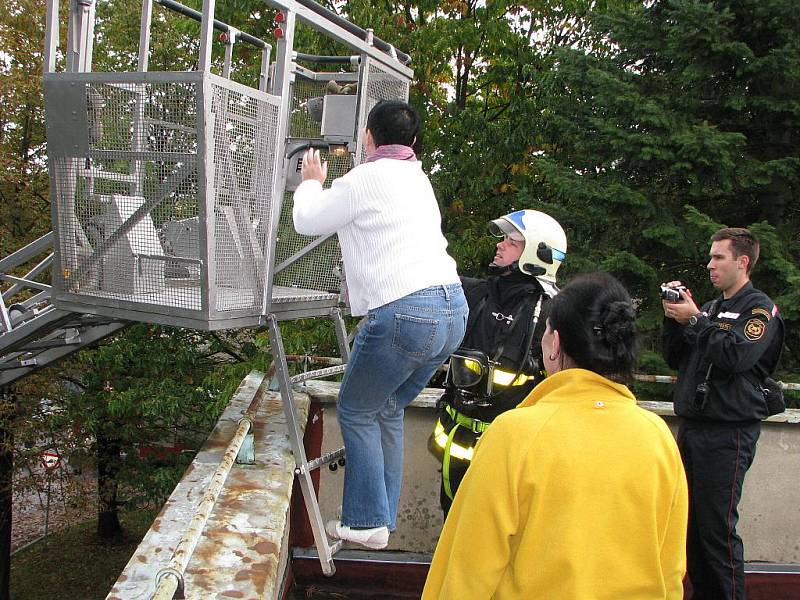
{"x": 681, "y": 309}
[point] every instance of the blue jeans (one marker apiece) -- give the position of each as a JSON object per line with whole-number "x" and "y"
{"x": 394, "y": 356}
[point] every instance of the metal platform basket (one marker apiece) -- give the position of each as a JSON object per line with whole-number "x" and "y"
{"x": 172, "y": 191}
{"x": 163, "y": 187}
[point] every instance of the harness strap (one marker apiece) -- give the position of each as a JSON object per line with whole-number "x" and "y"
{"x": 474, "y": 312}
{"x": 446, "y": 463}
{"x": 475, "y": 425}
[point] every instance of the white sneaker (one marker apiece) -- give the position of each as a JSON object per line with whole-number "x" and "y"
{"x": 375, "y": 538}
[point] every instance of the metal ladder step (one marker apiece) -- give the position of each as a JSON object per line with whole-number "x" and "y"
{"x": 318, "y": 373}
{"x": 337, "y": 457}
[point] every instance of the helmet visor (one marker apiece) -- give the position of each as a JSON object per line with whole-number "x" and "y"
{"x": 501, "y": 227}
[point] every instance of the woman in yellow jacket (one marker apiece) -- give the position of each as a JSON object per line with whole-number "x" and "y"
{"x": 577, "y": 493}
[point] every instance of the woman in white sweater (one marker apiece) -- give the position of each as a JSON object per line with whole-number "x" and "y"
{"x": 400, "y": 275}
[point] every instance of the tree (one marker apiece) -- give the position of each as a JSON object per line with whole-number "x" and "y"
{"x": 642, "y": 127}
{"x": 144, "y": 401}
{"x": 24, "y": 199}
{"x": 665, "y": 138}
{"x": 109, "y": 419}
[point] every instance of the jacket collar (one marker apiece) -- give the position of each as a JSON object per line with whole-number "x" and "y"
{"x": 578, "y": 385}
{"x": 507, "y": 290}
{"x": 746, "y": 289}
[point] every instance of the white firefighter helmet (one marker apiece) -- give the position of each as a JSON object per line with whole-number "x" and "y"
{"x": 545, "y": 241}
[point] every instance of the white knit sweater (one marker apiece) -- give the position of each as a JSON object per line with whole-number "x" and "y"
{"x": 389, "y": 228}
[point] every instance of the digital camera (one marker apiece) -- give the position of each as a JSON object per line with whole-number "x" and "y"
{"x": 671, "y": 294}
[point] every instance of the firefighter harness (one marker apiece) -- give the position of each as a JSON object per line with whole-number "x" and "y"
{"x": 473, "y": 373}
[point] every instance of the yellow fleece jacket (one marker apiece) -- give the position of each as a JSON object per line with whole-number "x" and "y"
{"x": 576, "y": 494}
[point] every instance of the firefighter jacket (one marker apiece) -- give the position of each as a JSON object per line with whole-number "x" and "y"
{"x": 501, "y": 316}
{"x": 501, "y": 324}
{"x": 732, "y": 348}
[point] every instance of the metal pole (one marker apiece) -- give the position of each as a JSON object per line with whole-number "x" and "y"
{"x": 88, "y": 41}
{"x": 365, "y": 35}
{"x": 280, "y": 86}
{"x": 5, "y": 319}
{"x": 325, "y": 551}
{"x": 264, "y": 76}
{"x": 218, "y": 25}
{"x": 30, "y": 251}
{"x": 51, "y": 36}
{"x": 47, "y": 509}
{"x": 206, "y": 29}
{"x": 229, "y": 43}
{"x": 30, "y": 275}
{"x": 138, "y": 117}
{"x": 80, "y": 36}
{"x": 341, "y": 334}
{"x": 144, "y": 34}
{"x": 655, "y": 378}
{"x": 170, "y": 578}
{"x": 72, "y": 27}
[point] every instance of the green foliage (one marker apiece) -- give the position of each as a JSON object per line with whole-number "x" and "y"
{"x": 24, "y": 201}
{"x": 641, "y": 127}
{"x": 154, "y": 392}
{"x": 648, "y": 146}
{"x": 310, "y": 337}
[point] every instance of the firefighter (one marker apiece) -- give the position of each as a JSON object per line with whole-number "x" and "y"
{"x": 500, "y": 359}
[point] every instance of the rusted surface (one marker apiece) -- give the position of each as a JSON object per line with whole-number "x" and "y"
{"x": 238, "y": 554}
{"x": 326, "y": 392}
{"x": 167, "y": 586}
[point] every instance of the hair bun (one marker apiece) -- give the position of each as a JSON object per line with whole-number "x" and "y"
{"x": 618, "y": 326}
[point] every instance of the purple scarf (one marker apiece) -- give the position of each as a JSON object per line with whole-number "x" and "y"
{"x": 393, "y": 151}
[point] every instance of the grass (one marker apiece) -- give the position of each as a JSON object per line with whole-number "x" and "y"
{"x": 75, "y": 564}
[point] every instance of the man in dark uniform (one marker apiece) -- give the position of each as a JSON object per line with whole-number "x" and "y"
{"x": 499, "y": 361}
{"x": 723, "y": 352}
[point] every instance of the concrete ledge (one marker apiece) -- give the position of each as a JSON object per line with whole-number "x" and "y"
{"x": 769, "y": 511}
{"x": 326, "y": 392}
{"x": 242, "y": 552}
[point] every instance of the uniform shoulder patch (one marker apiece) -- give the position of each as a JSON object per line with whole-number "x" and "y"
{"x": 754, "y": 329}
{"x": 762, "y": 311}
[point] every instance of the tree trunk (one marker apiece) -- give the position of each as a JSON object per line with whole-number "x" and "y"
{"x": 108, "y": 463}
{"x": 6, "y": 471}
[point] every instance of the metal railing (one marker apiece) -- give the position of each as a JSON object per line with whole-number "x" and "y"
{"x": 330, "y": 361}
{"x": 674, "y": 378}
{"x": 33, "y": 332}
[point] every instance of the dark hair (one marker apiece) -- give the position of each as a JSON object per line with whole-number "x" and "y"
{"x": 743, "y": 243}
{"x": 393, "y": 122}
{"x": 596, "y": 323}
